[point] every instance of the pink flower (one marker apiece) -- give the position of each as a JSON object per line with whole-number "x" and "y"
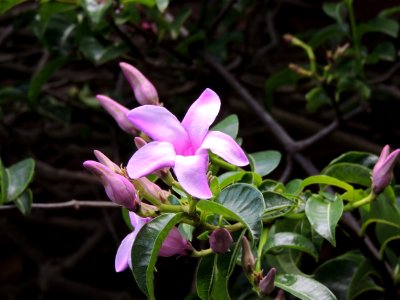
{"x": 382, "y": 174}
{"x": 143, "y": 89}
{"x": 174, "y": 244}
{"x": 183, "y": 146}
{"x": 119, "y": 189}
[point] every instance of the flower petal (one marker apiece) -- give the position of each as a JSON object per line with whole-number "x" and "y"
{"x": 226, "y": 147}
{"x": 191, "y": 172}
{"x": 200, "y": 116}
{"x": 159, "y": 124}
{"x": 151, "y": 157}
{"x": 382, "y": 157}
{"x": 124, "y": 253}
{"x": 174, "y": 244}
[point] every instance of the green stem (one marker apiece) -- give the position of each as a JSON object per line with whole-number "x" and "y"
{"x": 309, "y": 51}
{"x": 172, "y": 208}
{"x": 354, "y": 35}
{"x": 201, "y": 253}
{"x": 223, "y": 164}
{"x": 263, "y": 240}
{"x": 192, "y": 206}
{"x": 356, "y": 204}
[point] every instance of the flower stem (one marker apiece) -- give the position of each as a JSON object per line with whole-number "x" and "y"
{"x": 353, "y": 205}
{"x": 171, "y": 208}
{"x": 201, "y": 253}
{"x": 223, "y": 164}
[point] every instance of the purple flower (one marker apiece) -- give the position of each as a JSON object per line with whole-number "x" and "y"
{"x": 172, "y": 245}
{"x": 118, "y": 112}
{"x": 382, "y": 174}
{"x": 220, "y": 240}
{"x": 119, "y": 189}
{"x": 143, "y": 89}
{"x": 183, "y": 146}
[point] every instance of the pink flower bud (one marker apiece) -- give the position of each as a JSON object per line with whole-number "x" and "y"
{"x": 139, "y": 142}
{"x": 247, "y": 257}
{"x": 175, "y": 244}
{"x": 118, "y": 112}
{"x": 119, "y": 189}
{"x": 153, "y": 190}
{"x": 382, "y": 174}
{"x": 220, "y": 240}
{"x": 143, "y": 89}
{"x": 267, "y": 283}
{"x": 106, "y": 161}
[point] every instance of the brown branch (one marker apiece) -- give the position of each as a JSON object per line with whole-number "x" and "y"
{"x": 76, "y": 204}
{"x": 55, "y": 174}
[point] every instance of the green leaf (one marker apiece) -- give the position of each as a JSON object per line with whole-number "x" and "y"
{"x": 3, "y": 183}
{"x": 303, "y": 287}
{"x": 386, "y": 234}
{"x": 146, "y": 247}
{"x": 149, "y": 3}
{"x": 349, "y": 172}
{"x": 276, "y": 205}
{"x": 334, "y": 10}
{"x": 324, "y": 179}
{"x": 186, "y": 231}
{"x": 324, "y": 216}
{"x": 41, "y": 77}
{"x": 230, "y": 177}
{"x": 265, "y": 162}
{"x": 126, "y": 218}
{"x": 204, "y": 276}
{"x": 382, "y": 25}
{"x": 384, "y": 51}
{"x": 162, "y": 5}
{"x": 362, "y": 158}
{"x": 240, "y": 202}
{"x": 24, "y": 202}
{"x": 278, "y": 79}
{"x": 19, "y": 176}
{"x": 8, "y": 4}
{"x": 97, "y": 53}
{"x": 96, "y": 9}
{"x": 285, "y": 262}
{"x": 389, "y": 11}
{"x": 229, "y": 125}
{"x": 316, "y": 98}
{"x": 290, "y": 240}
{"x": 329, "y": 34}
{"x": 362, "y": 282}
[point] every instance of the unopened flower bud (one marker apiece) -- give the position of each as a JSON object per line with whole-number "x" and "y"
{"x": 174, "y": 244}
{"x": 119, "y": 189}
{"x": 106, "y": 161}
{"x": 143, "y": 89}
{"x": 382, "y": 174}
{"x": 220, "y": 240}
{"x": 300, "y": 70}
{"x": 118, "y": 112}
{"x": 266, "y": 284}
{"x": 153, "y": 190}
{"x": 247, "y": 257}
{"x": 139, "y": 142}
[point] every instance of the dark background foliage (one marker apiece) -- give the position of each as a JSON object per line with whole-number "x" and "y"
{"x": 56, "y": 56}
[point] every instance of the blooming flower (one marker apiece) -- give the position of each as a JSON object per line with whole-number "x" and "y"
{"x": 119, "y": 189}
{"x": 173, "y": 244}
{"x": 183, "y": 146}
{"x": 382, "y": 174}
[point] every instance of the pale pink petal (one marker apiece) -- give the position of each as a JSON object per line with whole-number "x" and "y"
{"x": 191, "y": 172}
{"x": 151, "y": 157}
{"x": 159, "y": 124}
{"x": 123, "y": 256}
{"x": 200, "y": 116}
{"x": 226, "y": 147}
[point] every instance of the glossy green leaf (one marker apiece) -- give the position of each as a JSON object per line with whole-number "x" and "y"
{"x": 303, "y": 287}
{"x": 162, "y": 5}
{"x": 324, "y": 179}
{"x": 149, "y": 3}
{"x": 230, "y": 177}
{"x": 324, "y": 215}
{"x": 19, "y": 176}
{"x": 349, "y": 172}
{"x": 334, "y": 32}
{"x": 146, "y": 247}
{"x": 229, "y": 125}
{"x": 276, "y": 205}
{"x": 265, "y": 162}
{"x": 126, "y": 218}
{"x": 362, "y": 282}
{"x": 186, "y": 231}
{"x": 383, "y": 25}
{"x": 24, "y": 202}
{"x": 285, "y": 262}
{"x": 40, "y": 78}
{"x": 384, "y": 51}
{"x": 362, "y": 158}
{"x": 96, "y": 9}
{"x": 240, "y": 202}
{"x": 316, "y": 98}
{"x": 269, "y": 185}
{"x": 3, "y": 183}
{"x": 290, "y": 240}
{"x": 334, "y": 10}
{"x": 386, "y": 234}
{"x": 204, "y": 276}
{"x": 389, "y": 11}
{"x": 9, "y": 4}
{"x": 93, "y": 50}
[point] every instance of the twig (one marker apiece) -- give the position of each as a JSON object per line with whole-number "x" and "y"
{"x": 76, "y": 204}
{"x": 386, "y": 75}
{"x": 55, "y": 174}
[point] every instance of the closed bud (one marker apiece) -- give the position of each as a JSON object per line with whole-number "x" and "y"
{"x": 152, "y": 189}
{"x": 106, "y": 161}
{"x": 247, "y": 257}
{"x": 143, "y": 89}
{"x": 220, "y": 240}
{"x": 118, "y": 112}
{"x": 119, "y": 189}
{"x": 139, "y": 142}
{"x": 382, "y": 174}
{"x": 266, "y": 284}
